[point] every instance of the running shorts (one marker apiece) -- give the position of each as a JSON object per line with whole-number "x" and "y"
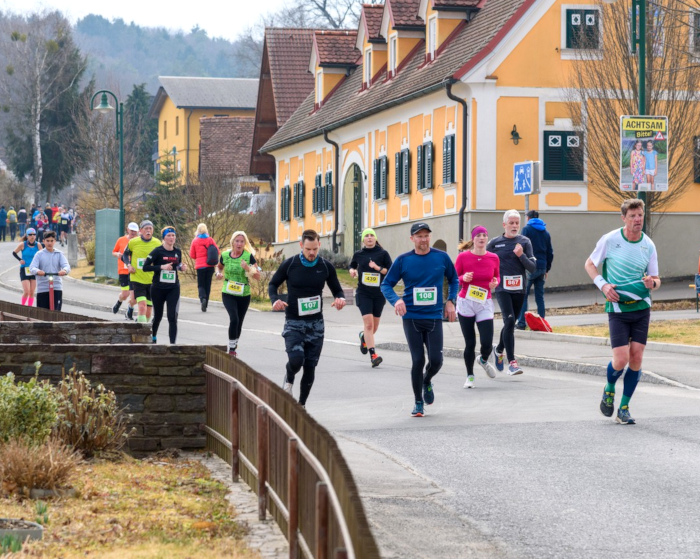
{"x": 370, "y": 305}
{"x": 124, "y": 281}
{"x": 304, "y": 338}
{"x": 142, "y": 292}
{"x": 23, "y": 275}
{"x": 630, "y": 326}
{"x": 469, "y": 308}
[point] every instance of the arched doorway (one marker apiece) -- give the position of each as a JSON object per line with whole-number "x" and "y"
{"x": 352, "y": 210}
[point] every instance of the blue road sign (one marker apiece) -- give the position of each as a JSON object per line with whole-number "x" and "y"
{"x": 523, "y": 177}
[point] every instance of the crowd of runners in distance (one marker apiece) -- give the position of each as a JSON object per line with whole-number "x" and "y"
{"x": 623, "y": 265}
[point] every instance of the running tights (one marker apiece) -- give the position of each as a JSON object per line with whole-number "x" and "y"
{"x": 160, "y": 297}
{"x": 510, "y": 305}
{"x": 307, "y": 379}
{"x": 420, "y": 332}
{"x": 485, "y": 336}
{"x": 236, "y": 307}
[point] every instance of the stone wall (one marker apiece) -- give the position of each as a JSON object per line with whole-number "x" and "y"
{"x": 163, "y": 387}
{"x": 42, "y": 332}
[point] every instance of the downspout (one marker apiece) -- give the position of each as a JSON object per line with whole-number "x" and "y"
{"x": 187, "y": 161}
{"x": 463, "y": 103}
{"x": 336, "y": 246}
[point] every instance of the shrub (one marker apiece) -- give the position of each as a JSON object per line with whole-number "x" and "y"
{"x": 89, "y": 248}
{"x": 27, "y": 410}
{"x": 25, "y": 465}
{"x": 89, "y": 418}
{"x": 269, "y": 265}
{"x": 338, "y": 260}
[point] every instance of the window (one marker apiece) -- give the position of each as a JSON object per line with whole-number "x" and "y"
{"x": 319, "y": 88}
{"x": 379, "y": 178}
{"x": 393, "y": 43}
{"x": 582, "y": 29}
{"x": 424, "y": 166}
{"x": 695, "y": 33}
{"x": 696, "y": 159}
{"x": 432, "y": 37}
{"x": 563, "y": 156}
{"x": 177, "y": 125}
{"x": 368, "y": 67}
{"x": 299, "y": 199}
{"x": 448, "y": 159}
{"x": 402, "y": 177}
{"x": 284, "y": 203}
{"x": 323, "y": 193}
{"x": 165, "y": 129}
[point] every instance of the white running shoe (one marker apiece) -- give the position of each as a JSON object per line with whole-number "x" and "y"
{"x": 469, "y": 383}
{"x": 287, "y": 386}
{"x": 488, "y": 368}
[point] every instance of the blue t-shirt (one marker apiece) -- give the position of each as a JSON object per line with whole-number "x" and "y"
{"x": 651, "y": 159}
{"x": 421, "y": 271}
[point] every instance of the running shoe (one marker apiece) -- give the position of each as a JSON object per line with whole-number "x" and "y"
{"x": 498, "y": 359}
{"x": 488, "y": 368}
{"x": 116, "y": 307}
{"x": 129, "y": 313}
{"x": 287, "y": 386}
{"x": 623, "y": 416}
{"x": 376, "y": 360}
{"x": 363, "y": 346}
{"x": 514, "y": 368}
{"x": 469, "y": 383}
{"x": 418, "y": 410}
{"x": 607, "y": 405}
{"x": 154, "y": 340}
{"x": 428, "y": 394}
{"x": 232, "y": 353}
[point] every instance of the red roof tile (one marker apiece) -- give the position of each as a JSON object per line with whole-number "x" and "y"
{"x": 373, "y": 21}
{"x": 336, "y": 48}
{"x": 405, "y": 13}
{"x": 224, "y": 145}
{"x": 457, "y": 3}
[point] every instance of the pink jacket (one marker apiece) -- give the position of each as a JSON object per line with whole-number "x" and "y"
{"x": 198, "y": 251}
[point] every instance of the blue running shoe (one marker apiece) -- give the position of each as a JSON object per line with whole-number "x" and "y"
{"x": 154, "y": 340}
{"x": 498, "y": 359}
{"x": 607, "y": 405}
{"x": 418, "y": 410}
{"x": 623, "y": 416}
{"x": 428, "y": 394}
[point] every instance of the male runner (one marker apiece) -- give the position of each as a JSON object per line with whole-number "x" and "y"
{"x": 305, "y": 274}
{"x": 136, "y": 252}
{"x": 132, "y": 231}
{"x": 49, "y": 265}
{"x": 625, "y": 267}
{"x": 422, "y": 271}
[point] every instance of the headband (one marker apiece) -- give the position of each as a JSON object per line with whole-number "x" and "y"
{"x": 167, "y": 230}
{"x": 477, "y": 230}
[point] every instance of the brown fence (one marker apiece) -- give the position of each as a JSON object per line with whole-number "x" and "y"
{"x": 288, "y": 459}
{"x": 16, "y": 312}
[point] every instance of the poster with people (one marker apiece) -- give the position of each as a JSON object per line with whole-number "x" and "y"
{"x": 643, "y": 153}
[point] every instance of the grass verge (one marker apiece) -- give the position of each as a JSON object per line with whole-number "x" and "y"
{"x": 675, "y": 332}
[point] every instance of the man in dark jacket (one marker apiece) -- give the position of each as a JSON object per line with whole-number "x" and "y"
{"x": 536, "y": 232}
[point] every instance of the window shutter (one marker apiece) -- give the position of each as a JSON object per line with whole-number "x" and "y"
{"x": 383, "y": 177}
{"x": 445, "y": 162}
{"x": 451, "y": 146}
{"x": 329, "y": 190}
{"x": 419, "y": 167}
{"x": 282, "y": 204}
{"x": 591, "y": 29}
{"x": 696, "y": 159}
{"x": 397, "y": 173}
{"x": 428, "y": 153}
{"x": 573, "y": 157}
{"x": 405, "y": 155}
{"x": 563, "y": 156}
{"x": 301, "y": 199}
{"x": 375, "y": 179}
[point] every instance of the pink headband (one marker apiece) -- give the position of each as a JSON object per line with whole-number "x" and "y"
{"x": 479, "y": 229}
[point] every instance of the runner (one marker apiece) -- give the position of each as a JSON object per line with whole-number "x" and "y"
{"x": 423, "y": 271}
{"x": 65, "y": 224}
{"x": 305, "y": 274}
{"x": 136, "y": 252}
{"x": 515, "y": 254}
{"x": 370, "y": 264}
{"x": 624, "y": 266}
{"x": 237, "y": 264}
{"x": 49, "y": 265}
{"x": 132, "y": 231}
{"x": 478, "y": 272}
{"x": 24, "y": 253}
{"x": 165, "y": 261}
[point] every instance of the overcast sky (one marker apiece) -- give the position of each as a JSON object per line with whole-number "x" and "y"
{"x": 218, "y": 18}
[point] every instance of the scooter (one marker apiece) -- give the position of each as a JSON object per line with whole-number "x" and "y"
{"x": 51, "y": 301}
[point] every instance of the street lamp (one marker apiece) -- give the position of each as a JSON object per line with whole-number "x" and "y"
{"x": 103, "y": 108}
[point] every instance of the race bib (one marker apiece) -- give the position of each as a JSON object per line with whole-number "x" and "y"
{"x": 168, "y": 276}
{"x": 424, "y": 296}
{"x": 475, "y": 293}
{"x": 371, "y": 279}
{"x": 27, "y": 271}
{"x": 139, "y": 263}
{"x": 513, "y": 283}
{"x": 309, "y": 305}
{"x": 234, "y": 288}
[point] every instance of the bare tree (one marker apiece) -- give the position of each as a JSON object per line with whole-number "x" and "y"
{"x": 604, "y": 85}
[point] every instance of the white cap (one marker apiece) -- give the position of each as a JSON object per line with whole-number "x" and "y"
{"x": 133, "y": 226}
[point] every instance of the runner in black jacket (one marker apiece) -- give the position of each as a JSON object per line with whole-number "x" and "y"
{"x": 369, "y": 266}
{"x": 305, "y": 274}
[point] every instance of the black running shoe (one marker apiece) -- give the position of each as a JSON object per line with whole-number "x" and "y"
{"x": 607, "y": 405}
{"x": 428, "y": 394}
{"x": 363, "y": 346}
{"x": 129, "y": 313}
{"x": 116, "y": 307}
{"x": 376, "y": 360}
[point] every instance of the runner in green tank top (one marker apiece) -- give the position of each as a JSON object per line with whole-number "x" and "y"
{"x": 134, "y": 257}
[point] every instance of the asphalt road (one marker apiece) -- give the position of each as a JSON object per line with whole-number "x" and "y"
{"x": 522, "y": 467}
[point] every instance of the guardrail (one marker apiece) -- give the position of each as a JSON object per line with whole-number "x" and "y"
{"x": 292, "y": 462}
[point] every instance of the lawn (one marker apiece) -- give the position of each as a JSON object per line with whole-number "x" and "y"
{"x": 676, "y": 332}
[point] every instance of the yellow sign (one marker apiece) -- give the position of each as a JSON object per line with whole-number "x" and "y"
{"x": 644, "y": 124}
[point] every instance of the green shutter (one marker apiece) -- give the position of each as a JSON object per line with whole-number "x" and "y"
{"x": 384, "y": 165}
{"x": 329, "y": 190}
{"x": 301, "y": 198}
{"x": 428, "y": 153}
{"x": 397, "y": 173}
{"x": 419, "y": 167}
{"x": 563, "y": 156}
{"x": 405, "y": 176}
{"x": 445, "y": 156}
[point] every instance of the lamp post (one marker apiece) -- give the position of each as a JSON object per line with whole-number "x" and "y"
{"x": 103, "y": 108}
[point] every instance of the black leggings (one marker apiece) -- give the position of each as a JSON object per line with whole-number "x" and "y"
{"x": 485, "y": 336}
{"x": 510, "y": 305}
{"x": 421, "y": 332}
{"x": 204, "y": 276}
{"x": 236, "y": 307}
{"x": 160, "y": 297}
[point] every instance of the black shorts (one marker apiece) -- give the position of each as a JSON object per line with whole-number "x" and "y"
{"x": 630, "y": 326}
{"x": 142, "y": 292}
{"x": 370, "y": 304}
{"x": 23, "y": 275}
{"x": 124, "y": 281}
{"x": 304, "y": 338}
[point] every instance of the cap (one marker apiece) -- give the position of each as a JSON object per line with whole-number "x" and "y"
{"x": 146, "y": 223}
{"x": 533, "y": 214}
{"x": 133, "y": 226}
{"x": 31, "y": 231}
{"x": 415, "y": 228}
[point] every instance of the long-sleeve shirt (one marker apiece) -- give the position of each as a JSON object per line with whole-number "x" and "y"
{"x": 305, "y": 287}
{"x": 164, "y": 279}
{"x": 512, "y": 267}
{"x": 485, "y": 268}
{"x": 423, "y": 277}
{"x": 51, "y": 263}
{"x": 367, "y": 276}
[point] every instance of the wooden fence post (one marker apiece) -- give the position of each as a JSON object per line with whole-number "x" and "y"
{"x": 321, "y": 520}
{"x": 293, "y": 493}
{"x": 235, "y": 432}
{"x": 263, "y": 445}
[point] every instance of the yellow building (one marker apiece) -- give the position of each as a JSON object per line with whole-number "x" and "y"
{"x": 420, "y": 115}
{"x": 181, "y": 102}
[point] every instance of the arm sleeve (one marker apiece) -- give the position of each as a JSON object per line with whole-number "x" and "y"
{"x": 149, "y": 264}
{"x": 64, "y": 263}
{"x": 277, "y": 279}
{"x": 550, "y": 252}
{"x": 126, "y": 255}
{"x": 390, "y": 280}
{"x": 527, "y": 258}
{"x": 15, "y": 255}
{"x": 333, "y": 283}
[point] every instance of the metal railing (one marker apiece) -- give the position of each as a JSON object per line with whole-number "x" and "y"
{"x": 292, "y": 462}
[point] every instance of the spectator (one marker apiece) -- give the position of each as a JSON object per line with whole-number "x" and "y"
{"x": 3, "y": 222}
{"x": 22, "y": 220}
{"x": 198, "y": 251}
{"x": 536, "y": 231}
{"x": 12, "y": 220}
{"x": 49, "y": 214}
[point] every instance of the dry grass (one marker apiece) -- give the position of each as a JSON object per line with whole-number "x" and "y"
{"x": 676, "y": 332}
{"x": 166, "y": 508}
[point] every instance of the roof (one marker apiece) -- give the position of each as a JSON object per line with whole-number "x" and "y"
{"x": 205, "y": 93}
{"x": 224, "y": 145}
{"x": 457, "y": 4}
{"x": 404, "y": 13}
{"x": 289, "y": 51}
{"x": 472, "y": 43}
{"x": 336, "y": 47}
{"x": 373, "y": 21}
